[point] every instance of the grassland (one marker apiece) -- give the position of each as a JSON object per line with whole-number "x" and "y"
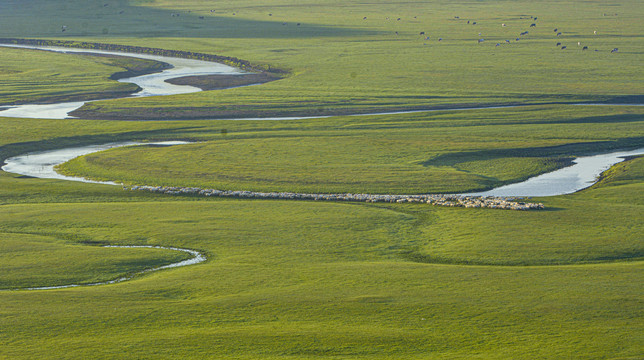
{"x": 340, "y": 63}
{"x": 310, "y": 280}
{"x": 405, "y": 153}
{"x": 51, "y": 77}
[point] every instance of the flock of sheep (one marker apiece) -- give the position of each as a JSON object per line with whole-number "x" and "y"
{"x": 432, "y": 199}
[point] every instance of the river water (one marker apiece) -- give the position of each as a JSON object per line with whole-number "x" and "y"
{"x": 151, "y": 84}
{"x": 582, "y": 174}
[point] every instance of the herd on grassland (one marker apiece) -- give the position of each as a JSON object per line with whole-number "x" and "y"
{"x": 432, "y": 199}
{"x": 532, "y": 20}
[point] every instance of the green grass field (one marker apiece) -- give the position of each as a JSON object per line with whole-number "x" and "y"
{"x": 410, "y": 153}
{"x": 321, "y": 280}
{"x": 51, "y": 77}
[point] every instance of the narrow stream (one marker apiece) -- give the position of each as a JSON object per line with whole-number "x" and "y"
{"x": 196, "y": 258}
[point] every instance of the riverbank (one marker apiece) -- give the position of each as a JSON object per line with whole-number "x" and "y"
{"x": 150, "y": 84}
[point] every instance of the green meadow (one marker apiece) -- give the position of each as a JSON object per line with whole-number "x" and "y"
{"x": 325, "y": 280}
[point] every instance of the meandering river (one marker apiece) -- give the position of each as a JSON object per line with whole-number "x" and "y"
{"x": 156, "y": 85}
{"x": 151, "y": 84}
{"x": 582, "y": 174}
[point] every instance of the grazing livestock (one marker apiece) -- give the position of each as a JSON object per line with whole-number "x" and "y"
{"x": 503, "y": 25}
{"x": 422, "y": 33}
{"x": 298, "y": 24}
{"x": 595, "y": 32}
{"x": 584, "y": 48}
{"x": 468, "y": 21}
{"x": 497, "y": 44}
{"x": 507, "y": 41}
{"x": 212, "y": 11}
{"x": 364, "y": 18}
{"x": 533, "y": 25}
{"x": 523, "y": 33}
{"x": 201, "y": 17}
{"x": 578, "y": 43}
{"x": 457, "y": 17}
{"x": 614, "y": 50}
{"x": 556, "y": 30}
{"x": 558, "y": 44}
{"x": 440, "y": 39}
{"x": 398, "y": 19}
{"x": 474, "y": 23}
{"x": 517, "y": 39}
{"x": 559, "y": 34}
{"x": 481, "y": 40}
{"x": 563, "y": 47}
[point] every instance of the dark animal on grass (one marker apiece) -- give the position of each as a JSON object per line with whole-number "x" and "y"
{"x": 563, "y": 47}
{"x": 558, "y": 44}
{"x": 614, "y": 50}
{"x": 584, "y": 48}
{"x": 555, "y": 30}
{"x": 533, "y": 25}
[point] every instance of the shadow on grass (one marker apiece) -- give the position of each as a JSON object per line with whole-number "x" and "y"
{"x": 9, "y": 150}
{"x": 417, "y": 257}
{"x": 567, "y": 150}
{"x": 119, "y": 19}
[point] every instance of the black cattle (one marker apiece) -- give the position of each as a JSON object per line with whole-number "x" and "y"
{"x": 558, "y": 44}
{"x": 422, "y": 33}
{"x": 563, "y": 47}
{"x": 584, "y": 48}
{"x": 533, "y": 25}
{"x": 614, "y": 50}
{"x": 556, "y": 30}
